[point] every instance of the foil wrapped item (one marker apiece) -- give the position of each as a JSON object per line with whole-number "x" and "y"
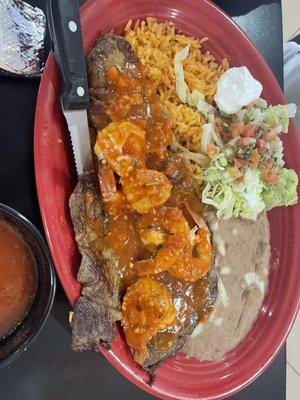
{"x": 22, "y": 34}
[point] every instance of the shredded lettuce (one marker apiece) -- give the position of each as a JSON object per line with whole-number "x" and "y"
{"x": 205, "y": 108}
{"x": 276, "y": 151}
{"x": 275, "y": 117}
{"x": 239, "y": 191}
{"x": 283, "y": 193}
{"x": 194, "y": 98}
{"x": 279, "y": 115}
{"x": 248, "y": 198}
{"x": 261, "y": 103}
{"x": 229, "y": 197}
{"x": 182, "y": 90}
{"x": 253, "y": 116}
{"x": 209, "y": 135}
{"x": 206, "y": 136}
{"x": 181, "y": 86}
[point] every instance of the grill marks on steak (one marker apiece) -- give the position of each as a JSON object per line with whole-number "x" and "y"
{"x": 98, "y": 307}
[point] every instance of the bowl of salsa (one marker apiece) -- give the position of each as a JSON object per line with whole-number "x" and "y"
{"x": 27, "y": 283}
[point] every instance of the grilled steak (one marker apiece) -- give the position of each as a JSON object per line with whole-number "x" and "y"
{"x": 156, "y": 354}
{"x": 109, "y": 51}
{"x": 97, "y": 309}
{"x": 189, "y": 320}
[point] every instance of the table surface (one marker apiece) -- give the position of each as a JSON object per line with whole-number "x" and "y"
{"x": 49, "y": 370}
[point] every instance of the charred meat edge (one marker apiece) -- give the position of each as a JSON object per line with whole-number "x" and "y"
{"x": 98, "y": 307}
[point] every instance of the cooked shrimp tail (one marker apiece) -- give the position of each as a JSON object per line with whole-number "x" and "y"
{"x": 146, "y": 189}
{"x": 114, "y": 198}
{"x": 147, "y": 308}
{"x": 123, "y": 146}
{"x": 165, "y": 227}
{"x": 189, "y": 267}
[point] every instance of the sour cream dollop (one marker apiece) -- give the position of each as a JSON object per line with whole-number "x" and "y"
{"x": 236, "y": 88}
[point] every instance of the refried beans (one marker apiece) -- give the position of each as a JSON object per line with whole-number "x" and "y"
{"x": 242, "y": 259}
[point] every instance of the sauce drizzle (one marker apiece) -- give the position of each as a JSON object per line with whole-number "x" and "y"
{"x": 131, "y": 98}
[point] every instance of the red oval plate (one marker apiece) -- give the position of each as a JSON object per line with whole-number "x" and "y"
{"x": 178, "y": 377}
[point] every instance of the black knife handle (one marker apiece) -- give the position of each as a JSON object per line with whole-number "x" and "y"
{"x": 65, "y": 32}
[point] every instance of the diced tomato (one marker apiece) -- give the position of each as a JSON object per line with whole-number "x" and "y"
{"x": 272, "y": 177}
{"x": 239, "y": 162}
{"x": 212, "y": 150}
{"x": 261, "y": 145}
{"x": 239, "y": 142}
{"x": 254, "y": 159}
{"x": 269, "y": 175}
{"x": 250, "y": 130}
{"x": 270, "y": 135}
{"x": 226, "y": 137}
{"x": 237, "y": 129}
{"x": 268, "y": 163}
{"x": 251, "y": 104}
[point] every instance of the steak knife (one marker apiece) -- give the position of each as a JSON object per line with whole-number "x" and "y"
{"x": 65, "y": 32}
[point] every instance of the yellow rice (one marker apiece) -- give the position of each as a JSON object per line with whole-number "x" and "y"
{"x": 156, "y": 44}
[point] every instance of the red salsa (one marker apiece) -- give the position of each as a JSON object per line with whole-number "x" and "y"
{"x": 18, "y": 280}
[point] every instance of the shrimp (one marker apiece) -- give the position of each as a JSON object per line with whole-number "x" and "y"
{"x": 115, "y": 200}
{"x": 147, "y": 308}
{"x": 188, "y": 267}
{"x": 165, "y": 227}
{"x": 146, "y": 189}
{"x": 123, "y": 146}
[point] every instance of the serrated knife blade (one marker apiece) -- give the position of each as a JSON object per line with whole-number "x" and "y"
{"x": 79, "y": 131}
{"x": 65, "y": 31}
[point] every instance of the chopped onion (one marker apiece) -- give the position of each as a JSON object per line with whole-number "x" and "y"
{"x": 232, "y": 142}
{"x": 228, "y": 152}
